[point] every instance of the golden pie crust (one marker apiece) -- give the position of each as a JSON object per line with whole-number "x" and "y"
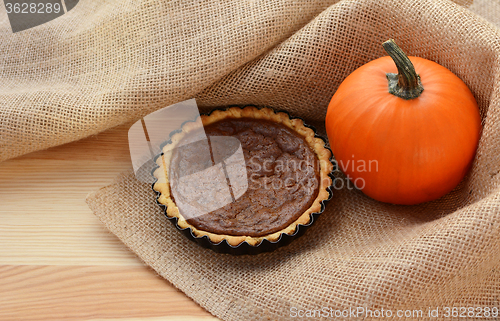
{"x": 316, "y": 144}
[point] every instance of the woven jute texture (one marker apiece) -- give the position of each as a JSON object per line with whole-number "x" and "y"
{"x": 106, "y": 62}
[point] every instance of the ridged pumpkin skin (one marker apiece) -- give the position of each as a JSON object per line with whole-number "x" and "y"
{"x": 423, "y": 147}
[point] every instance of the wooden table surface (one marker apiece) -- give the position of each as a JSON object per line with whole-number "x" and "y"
{"x": 57, "y": 260}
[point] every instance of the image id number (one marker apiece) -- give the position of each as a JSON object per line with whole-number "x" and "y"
{"x": 32, "y": 7}
{"x": 471, "y": 312}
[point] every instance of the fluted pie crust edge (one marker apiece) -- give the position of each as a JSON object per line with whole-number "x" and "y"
{"x": 297, "y": 125}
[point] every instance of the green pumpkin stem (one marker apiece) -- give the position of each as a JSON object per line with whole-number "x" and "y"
{"x": 406, "y": 84}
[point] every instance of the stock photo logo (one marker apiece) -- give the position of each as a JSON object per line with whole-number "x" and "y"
{"x": 205, "y": 173}
{"x": 26, "y": 14}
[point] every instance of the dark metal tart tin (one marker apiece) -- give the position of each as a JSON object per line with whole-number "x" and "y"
{"x": 244, "y": 247}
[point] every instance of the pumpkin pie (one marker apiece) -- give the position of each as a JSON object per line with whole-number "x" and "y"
{"x": 281, "y": 179}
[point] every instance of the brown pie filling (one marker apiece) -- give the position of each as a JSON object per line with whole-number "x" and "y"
{"x": 282, "y": 173}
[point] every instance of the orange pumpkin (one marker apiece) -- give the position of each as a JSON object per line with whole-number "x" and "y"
{"x": 400, "y": 137}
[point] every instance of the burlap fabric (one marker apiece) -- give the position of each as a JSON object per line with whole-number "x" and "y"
{"x": 104, "y": 63}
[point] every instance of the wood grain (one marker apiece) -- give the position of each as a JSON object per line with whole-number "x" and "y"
{"x": 57, "y": 261}
{"x": 76, "y": 292}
